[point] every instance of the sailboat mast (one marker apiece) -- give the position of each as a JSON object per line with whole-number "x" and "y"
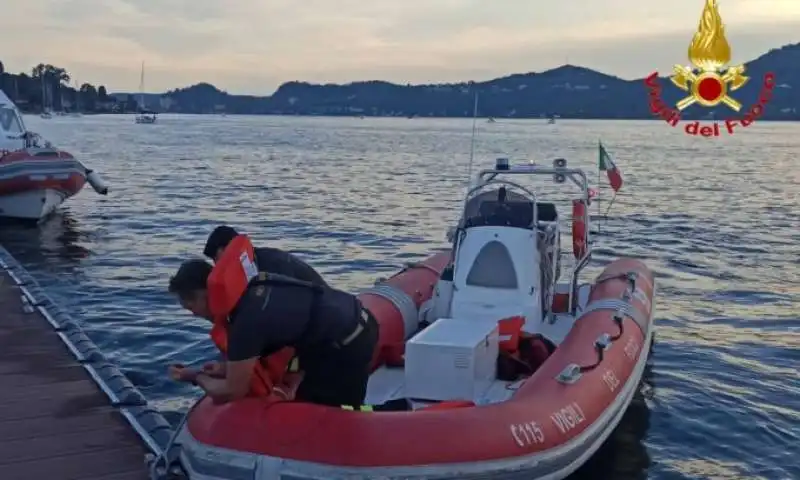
{"x": 141, "y": 88}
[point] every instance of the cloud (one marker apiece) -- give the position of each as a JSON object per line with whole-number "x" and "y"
{"x": 252, "y": 45}
{"x": 782, "y": 11}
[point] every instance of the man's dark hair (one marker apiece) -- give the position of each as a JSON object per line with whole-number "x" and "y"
{"x": 219, "y": 238}
{"x": 191, "y": 277}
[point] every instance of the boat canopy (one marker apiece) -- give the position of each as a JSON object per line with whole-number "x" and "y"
{"x": 11, "y": 124}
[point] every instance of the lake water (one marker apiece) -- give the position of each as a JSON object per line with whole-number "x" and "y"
{"x": 717, "y": 219}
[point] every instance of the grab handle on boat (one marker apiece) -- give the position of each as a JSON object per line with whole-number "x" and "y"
{"x": 602, "y": 344}
{"x": 631, "y": 277}
{"x": 619, "y": 318}
{"x": 573, "y": 372}
{"x": 570, "y": 374}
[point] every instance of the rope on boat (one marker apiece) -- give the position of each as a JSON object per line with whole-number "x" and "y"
{"x": 157, "y": 473}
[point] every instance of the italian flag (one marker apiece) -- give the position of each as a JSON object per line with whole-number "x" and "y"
{"x": 606, "y": 164}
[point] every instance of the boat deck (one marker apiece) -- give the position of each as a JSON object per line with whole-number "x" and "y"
{"x": 66, "y": 413}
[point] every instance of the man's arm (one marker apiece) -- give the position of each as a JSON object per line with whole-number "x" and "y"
{"x": 215, "y": 369}
{"x": 235, "y": 385}
{"x": 245, "y": 344}
{"x": 255, "y": 331}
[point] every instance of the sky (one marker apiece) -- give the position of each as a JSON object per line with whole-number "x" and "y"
{"x": 252, "y": 46}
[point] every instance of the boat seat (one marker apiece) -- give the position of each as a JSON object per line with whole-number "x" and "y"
{"x": 508, "y": 214}
{"x": 517, "y": 214}
{"x": 546, "y": 212}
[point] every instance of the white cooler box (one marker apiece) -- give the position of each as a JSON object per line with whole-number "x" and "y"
{"x": 451, "y": 360}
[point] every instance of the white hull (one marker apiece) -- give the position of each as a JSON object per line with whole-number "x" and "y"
{"x": 145, "y": 119}
{"x": 31, "y": 205}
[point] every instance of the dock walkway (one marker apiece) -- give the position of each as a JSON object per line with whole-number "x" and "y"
{"x": 66, "y": 412}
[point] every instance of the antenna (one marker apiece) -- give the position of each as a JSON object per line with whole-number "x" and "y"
{"x": 141, "y": 88}
{"x": 472, "y": 140}
{"x": 455, "y": 239}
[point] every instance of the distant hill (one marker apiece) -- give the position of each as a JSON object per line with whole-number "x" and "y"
{"x": 568, "y": 91}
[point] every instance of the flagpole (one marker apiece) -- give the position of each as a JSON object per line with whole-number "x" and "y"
{"x": 613, "y": 197}
{"x": 599, "y": 184}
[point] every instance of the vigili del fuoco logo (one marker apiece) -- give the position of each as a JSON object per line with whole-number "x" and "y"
{"x": 708, "y": 82}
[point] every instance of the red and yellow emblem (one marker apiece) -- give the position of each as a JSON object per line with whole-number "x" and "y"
{"x": 709, "y": 82}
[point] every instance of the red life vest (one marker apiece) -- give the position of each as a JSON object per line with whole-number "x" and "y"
{"x": 227, "y": 283}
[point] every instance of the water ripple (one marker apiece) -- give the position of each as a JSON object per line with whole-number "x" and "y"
{"x": 358, "y": 198}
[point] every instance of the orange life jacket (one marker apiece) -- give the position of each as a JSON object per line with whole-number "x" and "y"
{"x": 227, "y": 283}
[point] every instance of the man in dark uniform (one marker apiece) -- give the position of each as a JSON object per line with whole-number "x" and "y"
{"x": 332, "y": 333}
{"x": 272, "y": 260}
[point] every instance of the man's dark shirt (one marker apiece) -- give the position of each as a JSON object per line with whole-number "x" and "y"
{"x": 267, "y": 319}
{"x": 270, "y": 317}
{"x": 273, "y": 260}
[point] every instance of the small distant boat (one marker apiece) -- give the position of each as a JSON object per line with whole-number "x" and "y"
{"x": 144, "y": 116}
{"x": 35, "y": 177}
{"x": 551, "y": 120}
{"x": 491, "y": 120}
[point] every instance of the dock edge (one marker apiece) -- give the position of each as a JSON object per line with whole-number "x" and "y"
{"x": 148, "y": 423}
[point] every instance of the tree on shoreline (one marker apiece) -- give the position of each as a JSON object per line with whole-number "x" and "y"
{"x": 48, "y": 86}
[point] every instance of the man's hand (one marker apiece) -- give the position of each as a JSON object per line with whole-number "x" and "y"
{"x": 181, "y": 373}
{"x": 288, "y": 389}
{"x": 214, "y": 369}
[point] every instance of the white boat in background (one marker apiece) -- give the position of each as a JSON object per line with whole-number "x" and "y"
{"x": 35, "y": 177}
{"x": 144, "y": 116}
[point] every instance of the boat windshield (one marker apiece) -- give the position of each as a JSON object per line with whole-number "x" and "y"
{"x": 9, "y": 121}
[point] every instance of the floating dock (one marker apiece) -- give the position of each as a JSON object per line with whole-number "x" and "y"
{"x": 66, "y": 412}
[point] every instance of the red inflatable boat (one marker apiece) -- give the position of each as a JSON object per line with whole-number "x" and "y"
{"x": 35, "y": 178}
{"x": 505, "y": 372}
